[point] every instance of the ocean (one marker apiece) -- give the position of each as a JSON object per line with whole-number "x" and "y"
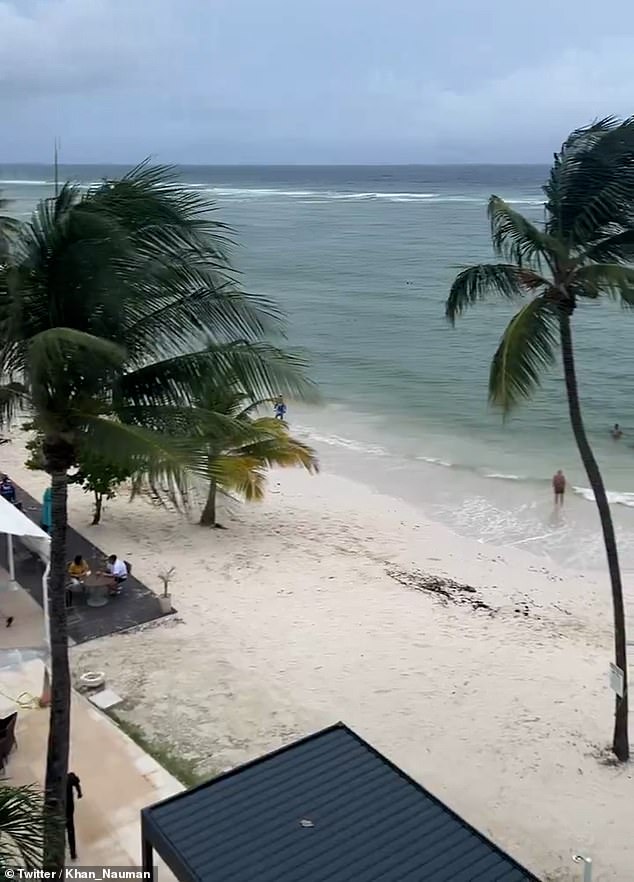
{"x": 361, "y": 259}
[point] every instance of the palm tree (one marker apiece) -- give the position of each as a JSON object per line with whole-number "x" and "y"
{"x": 109, "y": 301}
{"x": 582, "y": 251}
{"x": 239, "y": 457}
{"x": 21, "y": 828}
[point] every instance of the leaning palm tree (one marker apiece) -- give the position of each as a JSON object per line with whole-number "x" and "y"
{"x": 109, "y": 301}
{"x": 21, "y": 828}
{"x": 238, "y": 458}
{"x": 582, "y": 250}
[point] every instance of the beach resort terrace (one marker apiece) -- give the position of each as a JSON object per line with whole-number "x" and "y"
{"x": 118, "y": 778}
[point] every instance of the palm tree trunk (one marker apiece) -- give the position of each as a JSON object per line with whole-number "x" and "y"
{"x": 208, "y": 517}
{"x": 96, "y": 517}
{"x": 620, "y": 743}
{"x": 59, "y": 724}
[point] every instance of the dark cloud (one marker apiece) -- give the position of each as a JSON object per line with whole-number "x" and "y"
{"x": 309, "y": 81}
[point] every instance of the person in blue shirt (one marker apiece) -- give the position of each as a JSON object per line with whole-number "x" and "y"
{"x": 46, "y": 520}
{"x": 280, "y": 408}
{"x": 7, "y": 489}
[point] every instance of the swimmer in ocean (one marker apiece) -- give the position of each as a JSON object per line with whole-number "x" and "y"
{"x": 616, "y": 432}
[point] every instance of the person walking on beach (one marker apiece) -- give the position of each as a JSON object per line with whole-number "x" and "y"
{"x": 72, "y": 784}
{"x": 559, "y": 487}
{"x": 280, "y": 408}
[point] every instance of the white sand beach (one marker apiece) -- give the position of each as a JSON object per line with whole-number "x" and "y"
{"x": 303, "y": 612}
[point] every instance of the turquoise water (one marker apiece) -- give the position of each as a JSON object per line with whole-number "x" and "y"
{"x": 361, "y": 259}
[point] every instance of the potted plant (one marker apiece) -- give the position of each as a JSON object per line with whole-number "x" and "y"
{"x": 165, "y": 599}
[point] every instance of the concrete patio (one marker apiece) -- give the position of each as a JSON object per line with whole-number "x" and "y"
{"x": 28, "y": 627}
{"x": 137, "y": 604}
{"x": 118, "y": 778}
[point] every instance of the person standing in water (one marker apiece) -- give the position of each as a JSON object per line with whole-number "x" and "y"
{"x": 616, "y": 432}
{"x": 280, "y": 408}
{"x": 559, "y": 487}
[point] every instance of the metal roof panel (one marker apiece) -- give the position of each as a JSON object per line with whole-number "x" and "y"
{"x": 328, "y": 808}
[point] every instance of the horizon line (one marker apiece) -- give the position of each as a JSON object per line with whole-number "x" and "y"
{"x": 284, "y": 164}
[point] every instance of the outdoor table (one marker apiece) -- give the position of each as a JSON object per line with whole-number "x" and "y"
{"x": 97, "y": 588}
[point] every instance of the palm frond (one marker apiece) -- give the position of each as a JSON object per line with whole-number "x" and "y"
{"x": 477, "y": 282}
{"x": 275, "y": 446}
{"x": 67, "y": 273}
{"x": 150, "y": 201}
{"x": 615, "y": 280}
{"x": 13, "y": 399}
{"x": 21, "y": 827}
{"x": 143, "y": 450}
{"x": 243, "y": 469}
{"x": 258, "y": 368}
{"x": 264, "y": 371}
{"x": 67, "y": 371}
{"x": 51, "y": 348}
{"x": 617, "y": 246}
{"x": 188, "y": 303}
{"x": 174, "y": 421}
{"x": 243, "y": 476}
{"x": 591, "y": 183}
{"x": 517, "y": 240}
{"x": 245, "y": 410}
{"x": 528, "y": 346}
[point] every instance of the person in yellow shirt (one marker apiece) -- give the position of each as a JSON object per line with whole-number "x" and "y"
{"x": 78, "y": 569}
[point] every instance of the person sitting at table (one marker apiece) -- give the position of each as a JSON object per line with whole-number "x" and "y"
{"x": 118, "y": 571}
{"x": 78, "y": 570}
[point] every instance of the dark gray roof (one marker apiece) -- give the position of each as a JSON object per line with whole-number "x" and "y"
{"x": 328, "y": 808}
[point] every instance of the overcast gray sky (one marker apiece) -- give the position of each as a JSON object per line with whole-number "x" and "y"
{"x": 312, "y": 81}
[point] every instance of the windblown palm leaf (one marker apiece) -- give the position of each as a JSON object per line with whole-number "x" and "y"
{"x": 21, "y": 827}
{"x": 242, "y": 469}
{"x": 478, "y": 282}
{"x": 518, "y": 240}
{"x": 586, "y": 200}
{"x": 528, "y": 345}
{"x": 581, "y": 252}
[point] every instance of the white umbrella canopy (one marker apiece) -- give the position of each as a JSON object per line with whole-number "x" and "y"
{"x": 13, "y": 522}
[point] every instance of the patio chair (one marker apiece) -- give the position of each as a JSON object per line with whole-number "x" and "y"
{"x": 74, "y": 586}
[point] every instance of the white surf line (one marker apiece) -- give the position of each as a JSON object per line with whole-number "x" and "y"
{"x": 533, "y": 538}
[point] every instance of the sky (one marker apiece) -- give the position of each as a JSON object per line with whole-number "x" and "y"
{"x": 308, "y": 81}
